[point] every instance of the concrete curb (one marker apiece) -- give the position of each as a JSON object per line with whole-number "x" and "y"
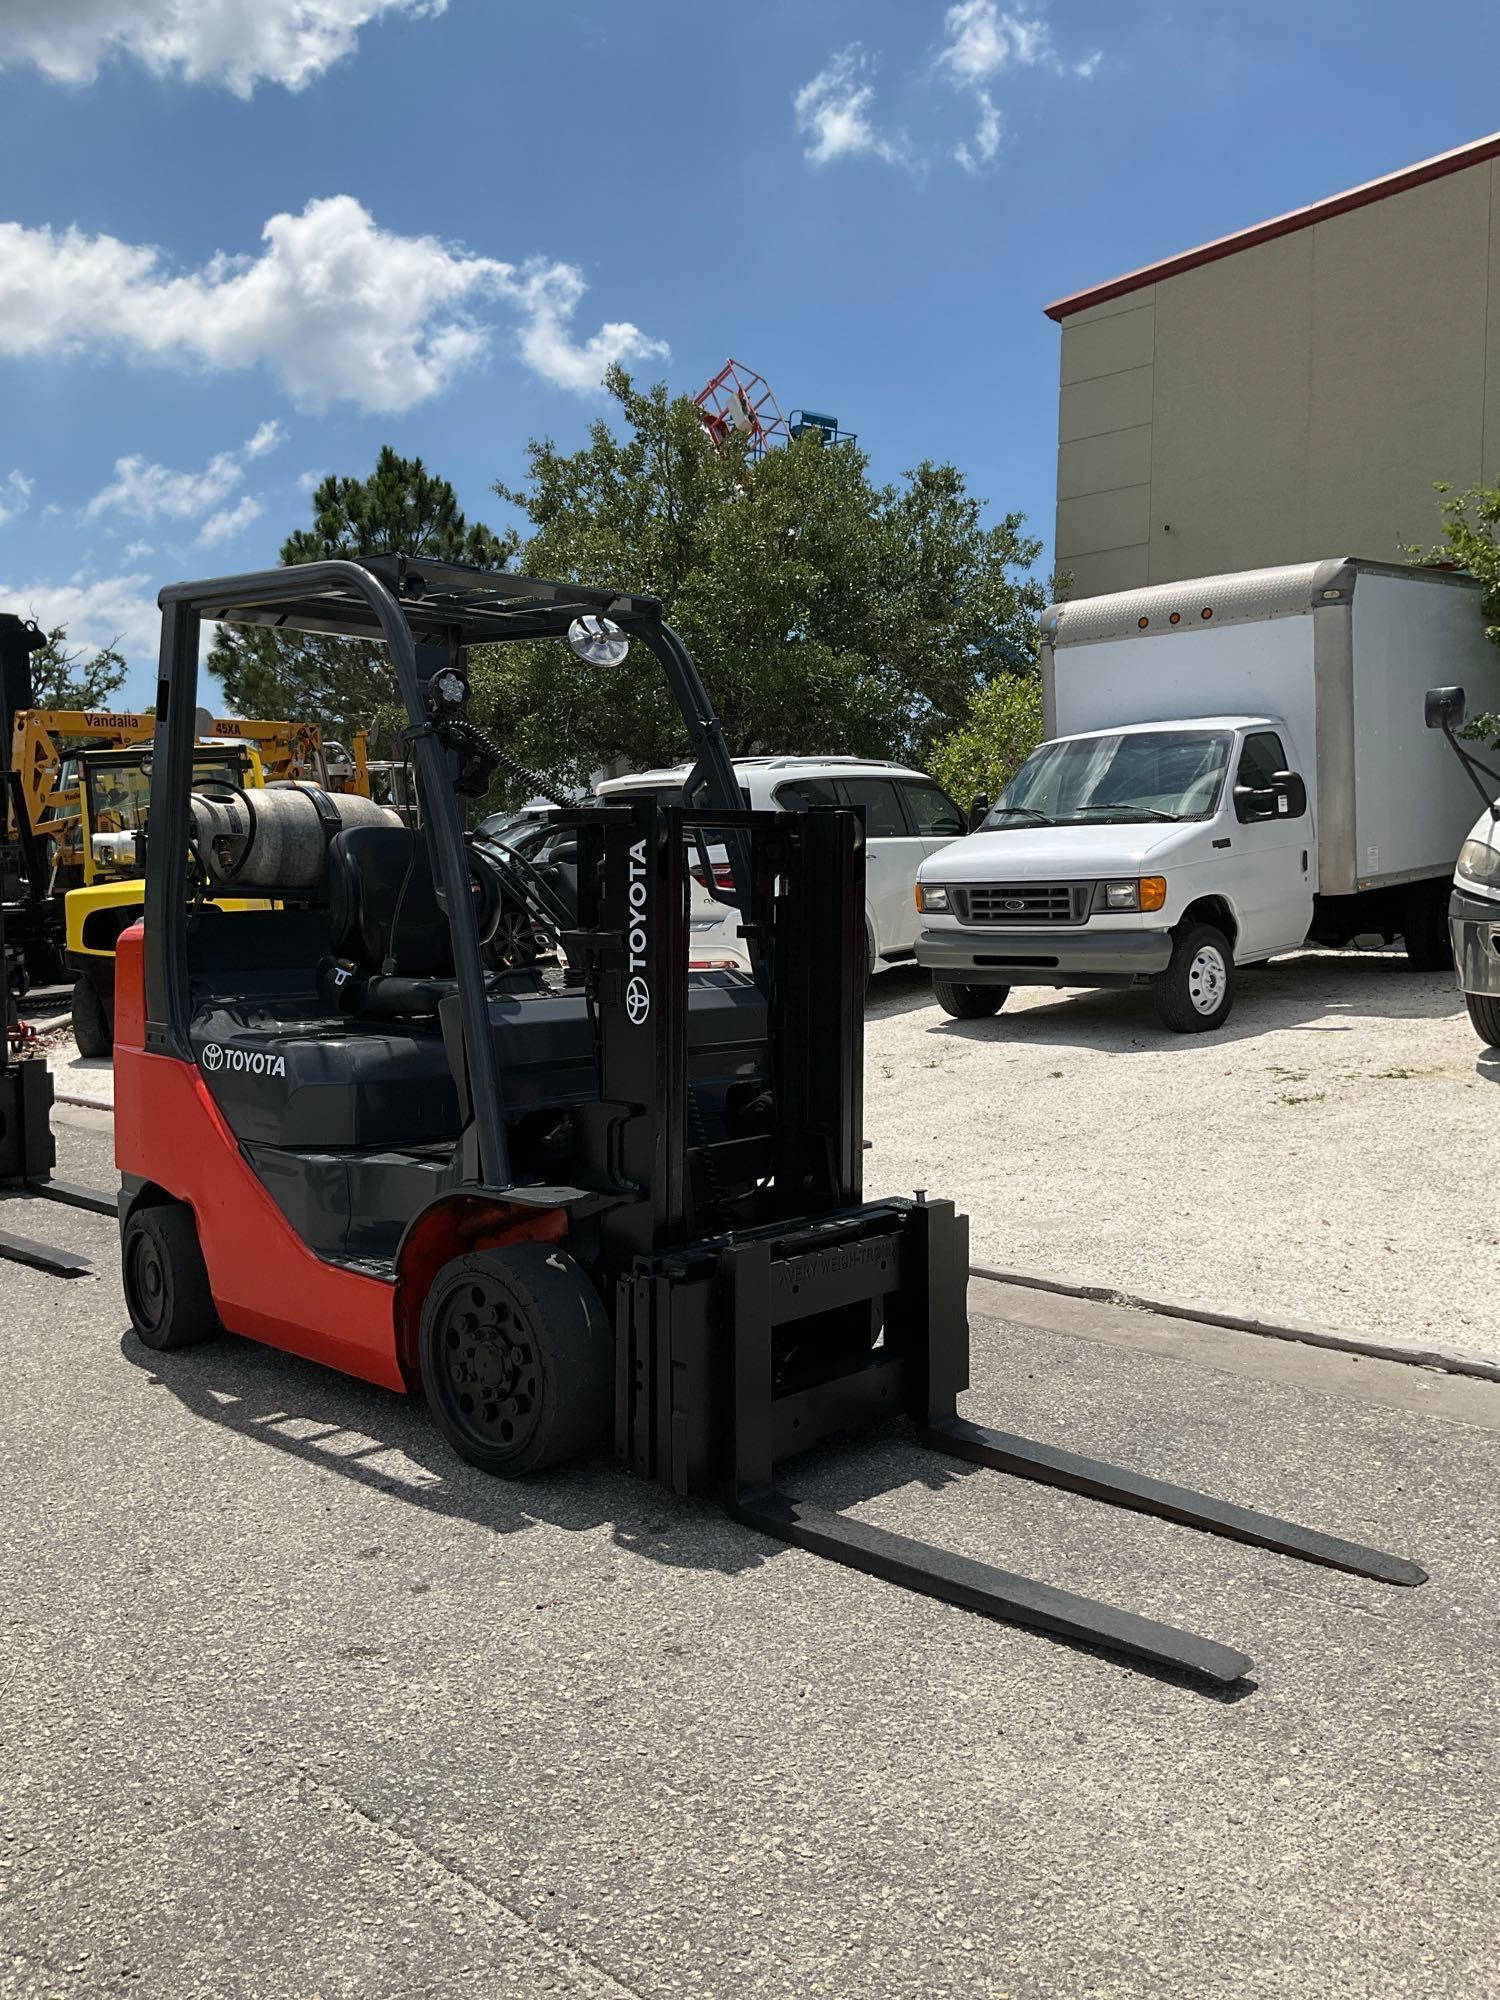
{"x": 85, "y": 1103}
{"x": 1449, "y": 1360}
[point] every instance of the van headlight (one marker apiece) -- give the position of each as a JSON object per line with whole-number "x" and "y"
{"x": 931, "y": 900}
{"x": 1480, "y": 862}
{"x": 1141, "y": 892}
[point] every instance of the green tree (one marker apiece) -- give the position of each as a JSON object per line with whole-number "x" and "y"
{"x": 64, "y": 677}
{"x": 1471, "y": 541}
{"x": 826, "y": 613}
{"x": 401, "y": 509}
{"x": 1002, "y": 728}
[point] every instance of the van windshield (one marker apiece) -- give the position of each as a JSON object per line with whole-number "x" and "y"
{"x": 1160, "y": 774}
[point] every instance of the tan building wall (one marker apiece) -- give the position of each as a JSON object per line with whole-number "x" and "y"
{"x": 1296, "y": 398}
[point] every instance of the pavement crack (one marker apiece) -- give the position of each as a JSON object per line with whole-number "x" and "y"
{"x": 473, "y": 1884}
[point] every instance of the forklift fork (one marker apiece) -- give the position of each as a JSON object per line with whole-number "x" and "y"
{"x": 740, "y": 1351}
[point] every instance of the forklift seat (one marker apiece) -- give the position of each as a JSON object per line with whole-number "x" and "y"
{"x": 382, "y": 903}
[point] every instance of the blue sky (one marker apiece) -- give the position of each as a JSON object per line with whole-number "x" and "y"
{"x": 244, "y": 242}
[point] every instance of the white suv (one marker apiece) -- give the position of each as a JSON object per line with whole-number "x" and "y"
{"x": 907, "y": 816}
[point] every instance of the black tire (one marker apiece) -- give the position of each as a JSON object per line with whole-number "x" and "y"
{"x": 93, "y": 1030}
{"x": 518, "y": 1359}
{"x": 1485, "y": 1015}
{"x": 969, "y": 1003}
{"x": 1424, "y": 927}
{"x": 166, "y": 1283}
{"x": 1196, "y": 992}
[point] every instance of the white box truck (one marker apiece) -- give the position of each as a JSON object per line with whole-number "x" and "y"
{"x": 1235, "y": 765}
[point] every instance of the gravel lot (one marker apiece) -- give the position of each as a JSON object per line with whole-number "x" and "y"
{"x": 1324, "y": 1158}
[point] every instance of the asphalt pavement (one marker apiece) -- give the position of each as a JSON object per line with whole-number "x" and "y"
{"x": 292, "y": 1703}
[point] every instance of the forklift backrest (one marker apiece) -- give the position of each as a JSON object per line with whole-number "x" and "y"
{"x": 382, "y": 903}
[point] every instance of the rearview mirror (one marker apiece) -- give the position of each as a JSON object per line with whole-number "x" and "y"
{"x": 979, "y": 810}
{"x": 1444, "y": 708}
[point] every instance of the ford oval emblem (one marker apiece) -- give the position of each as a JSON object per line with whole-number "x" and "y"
{"x": 1014, "y": 903}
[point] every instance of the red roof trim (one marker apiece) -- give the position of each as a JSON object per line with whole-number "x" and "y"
{"x": 1283, "y": 225}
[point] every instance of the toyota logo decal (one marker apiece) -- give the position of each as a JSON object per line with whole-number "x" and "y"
{"x": 213, "y": 1056}
{"x": 637, "y": 1001}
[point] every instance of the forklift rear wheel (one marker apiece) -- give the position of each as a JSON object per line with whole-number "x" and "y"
{"x": 969, "y": 1003}
{"x": 166, "y": 1283}
{"x": 517, "y": 1358}
{"x": 92, "y": 1030}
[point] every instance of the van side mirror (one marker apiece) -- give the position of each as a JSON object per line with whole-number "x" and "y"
{"x": 1284, "y": 798}
{"x": 1291, "y": 794}
{"x": 979, "y": 810}
{"x": 1444, "y": 708}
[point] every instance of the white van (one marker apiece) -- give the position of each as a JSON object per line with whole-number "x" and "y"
{"x": 908, "y": 818}
{"x": 1238, "y": 764}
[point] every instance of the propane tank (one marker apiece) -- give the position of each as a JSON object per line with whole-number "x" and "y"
{"x": 276, "y": 836}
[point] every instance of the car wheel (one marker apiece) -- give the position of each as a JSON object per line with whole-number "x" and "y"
{"x": 1196, "y": 991}
{"x": 1484, "y": 1013}
{"x": 969, "y": 1003}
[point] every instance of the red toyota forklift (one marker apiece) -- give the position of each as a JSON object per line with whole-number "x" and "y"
{"x": 555, "y": 1200}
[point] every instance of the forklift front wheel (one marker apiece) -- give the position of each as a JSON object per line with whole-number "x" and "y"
{"x": 167, "y": 1291}
{"x": 517, "y": 1358}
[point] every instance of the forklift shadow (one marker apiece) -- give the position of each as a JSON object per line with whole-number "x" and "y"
{"x": 387, "y": 1444}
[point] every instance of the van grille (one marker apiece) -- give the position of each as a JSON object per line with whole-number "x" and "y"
{"x": 1024, "y": 902}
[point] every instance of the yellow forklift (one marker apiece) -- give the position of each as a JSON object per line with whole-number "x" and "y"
{"x": 114, "y": 799}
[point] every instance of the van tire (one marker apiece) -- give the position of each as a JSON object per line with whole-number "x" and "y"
{"x": 1484, "y": 1013}
{"x": 969, "y": 1003}
{"x": 1200, "y": 972}
{"x": 1424, "y": 927}
{"x": 93, "y": 1030}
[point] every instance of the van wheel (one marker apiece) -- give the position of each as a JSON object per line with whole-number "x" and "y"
{"x": 93, "y": 1031}
{"x": 518, "y": 1358}
{"x": 1196, "y": 992}
{"x": 166, "y": 1281}
{"x": 1424, "y": 927}
{"x": 969, "y": 1003}
{"x": 1484, "y": 1012}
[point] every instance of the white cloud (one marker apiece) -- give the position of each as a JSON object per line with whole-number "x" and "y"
{"x": 98, "y": 611}
{"x": 335, "y": 307}
{"x": 982, "y": 41}
{"x": 833, "y": 114}
{"x": 986, "y": 145}
{"x": 229, "y": 521}
{"x": 147, "y": 492}
{"x": 15, "y": 496}
{"x": 266, "y": 438}
{"x": 309, "y": 482}
{"x": 237, "y": 43}
{"x": 138, "y": 551}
